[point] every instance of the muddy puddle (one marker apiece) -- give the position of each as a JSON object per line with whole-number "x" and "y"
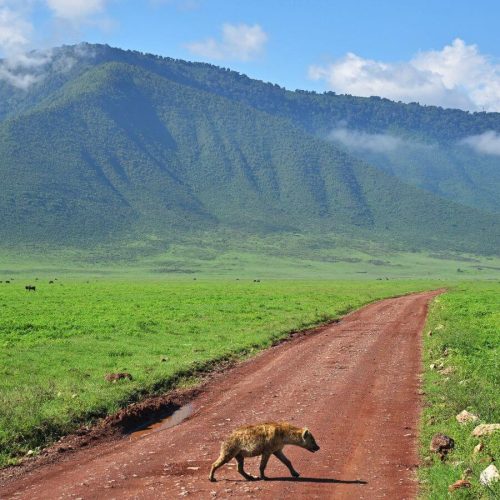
{"x": 161, "y": 424}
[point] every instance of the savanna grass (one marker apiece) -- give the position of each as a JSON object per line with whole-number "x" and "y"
{"x": 58, "y": 342}
{"x": 464, "y": 340}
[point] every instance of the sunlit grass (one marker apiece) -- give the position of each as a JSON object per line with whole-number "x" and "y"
{"x": 58, "y": 342}
{"x": 465, "y": 326}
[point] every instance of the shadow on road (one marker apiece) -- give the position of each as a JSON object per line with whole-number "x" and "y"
{"x": 307, "y": 480}
{"x": 317, "y": 480}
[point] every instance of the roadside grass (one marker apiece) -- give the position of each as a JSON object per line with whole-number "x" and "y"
{"x": 465, "y": 325}
{"x": 57, "y": 343}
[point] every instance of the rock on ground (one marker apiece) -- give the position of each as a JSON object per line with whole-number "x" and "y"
{"x": 478, "y": 448}
{"x": 465, "y": 417}
{"x": 489, "y": 475}
{"x": 485, "y": 429}
{"x": 441, "y": 444}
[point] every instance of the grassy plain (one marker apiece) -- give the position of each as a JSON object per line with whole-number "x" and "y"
{"x": 231, "y": 255}
{"x": 465, "y": 325}
{"x": 57, "y": 343}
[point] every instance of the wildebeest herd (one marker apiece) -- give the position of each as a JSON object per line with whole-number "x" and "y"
{"x": 28, "y": 288}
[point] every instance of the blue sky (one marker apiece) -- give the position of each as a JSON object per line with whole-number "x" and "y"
{"x": 435, "y": 52}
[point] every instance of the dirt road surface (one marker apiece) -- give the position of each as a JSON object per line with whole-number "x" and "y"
{"x": 355, "y": 384}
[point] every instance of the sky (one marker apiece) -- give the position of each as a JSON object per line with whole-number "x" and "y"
{"x": 436, "y": 52}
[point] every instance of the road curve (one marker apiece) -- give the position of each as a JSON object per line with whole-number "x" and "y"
{"x": 355, "y": 384}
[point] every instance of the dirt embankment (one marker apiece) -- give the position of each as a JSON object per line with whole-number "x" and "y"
{"x": 355, "y": 384}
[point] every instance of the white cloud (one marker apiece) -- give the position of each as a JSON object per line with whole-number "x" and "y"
{"x": 487, "y": 143}
{"x": 239, "y": 42}
{"x": 75, "y": 9}
{"x": 354, "y": 139}
{"x": 22, "y": 68}
{"x": 16, "y": 32}
{"x": 456, "y": 76}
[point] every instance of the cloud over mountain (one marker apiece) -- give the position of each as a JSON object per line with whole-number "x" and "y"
{"x": 239, "y": 42}
{"x": 355, "y": 139}
{"x": 21, "y": 67}
{"x": 486, "y": 143}
{"x": 458, "y": 75}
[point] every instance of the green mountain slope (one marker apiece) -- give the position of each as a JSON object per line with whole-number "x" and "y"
{"x": 431, "y": 156}
{"x": 451, "y": 171}
{"x": 121, "y": 153}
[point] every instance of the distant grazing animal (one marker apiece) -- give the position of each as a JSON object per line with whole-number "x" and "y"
{"x": 263, "y": 439}
{"x": 114, "y": 377}
{"x": 7, "y": 281}
{"x": 30, "y": 288}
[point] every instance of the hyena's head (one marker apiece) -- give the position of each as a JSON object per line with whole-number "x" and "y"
{"x": 308, "y": 441}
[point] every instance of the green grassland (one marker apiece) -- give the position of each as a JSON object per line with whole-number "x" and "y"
{"x": 59, "y": 342}
{"x": 231, "y": 255}
{"x": 465, "y": 326}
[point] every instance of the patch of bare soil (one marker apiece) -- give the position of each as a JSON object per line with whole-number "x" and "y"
{"x": 355, "y": 384}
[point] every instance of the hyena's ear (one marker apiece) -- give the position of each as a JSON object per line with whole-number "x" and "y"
{"x": 305, "y": 433}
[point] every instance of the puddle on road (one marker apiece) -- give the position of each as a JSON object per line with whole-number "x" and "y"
{"x": 165, "y": 423}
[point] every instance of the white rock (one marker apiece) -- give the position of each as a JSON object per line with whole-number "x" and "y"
{"x": 485, "y": 429}
{"x": 489, "y": 475}
{"x": 465, "y": 417}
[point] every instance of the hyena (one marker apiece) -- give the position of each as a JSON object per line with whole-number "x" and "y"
{"x": 263, "y": 439}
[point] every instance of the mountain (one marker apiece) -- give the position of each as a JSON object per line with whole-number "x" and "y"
{"x": 430, "y": 152}
{"x": 113, "y": 145}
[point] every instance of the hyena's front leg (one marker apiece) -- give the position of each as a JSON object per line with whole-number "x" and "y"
{"x": 263, "y": 465}
{"x": 241, "y": 470}
{"x": 281, "y": 456}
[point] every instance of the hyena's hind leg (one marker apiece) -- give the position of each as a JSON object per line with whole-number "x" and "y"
{"x": 225, "y": 456}
{"x": 241, "y": 461}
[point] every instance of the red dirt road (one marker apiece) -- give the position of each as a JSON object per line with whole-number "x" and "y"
{"x": 355, "y": 384}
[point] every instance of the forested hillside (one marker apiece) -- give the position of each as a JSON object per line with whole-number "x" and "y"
{"x": 121, "y": 145}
